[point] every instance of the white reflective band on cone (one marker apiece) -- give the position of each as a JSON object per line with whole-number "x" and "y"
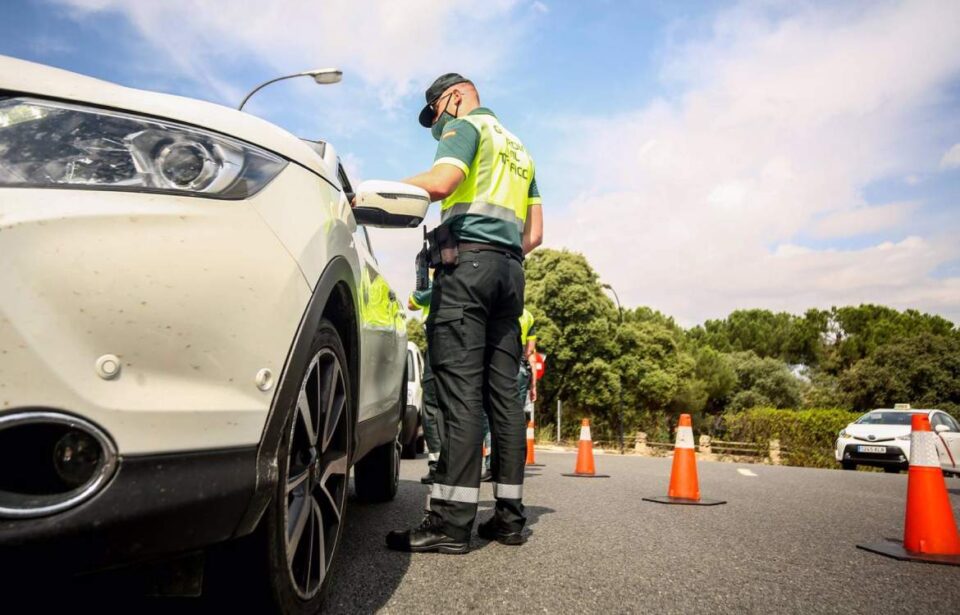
{"x": 684, "y": 437}
{"x": 585, "y": 433}
{"x": 452, "y": 493}
{"x": 529, "y": 433}
{"x": 923, "y": 450}
{"x": 510, "y": 492}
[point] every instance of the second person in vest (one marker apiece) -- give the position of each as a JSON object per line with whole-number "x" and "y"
{"x": 490, "y": 203}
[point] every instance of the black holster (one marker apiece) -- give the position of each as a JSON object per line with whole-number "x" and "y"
{"x": 442, "y": 245}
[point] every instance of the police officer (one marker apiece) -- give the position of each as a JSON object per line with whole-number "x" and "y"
{"x": 420, "y": 300}
{"x": 526, "y": 381}
{"x": 491, "y": 208}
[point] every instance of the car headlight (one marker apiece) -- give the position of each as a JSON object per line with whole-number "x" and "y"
{"x": 905, "y": 437}
{"x": 844, "y": 434}
{"x": 53, "y": 144}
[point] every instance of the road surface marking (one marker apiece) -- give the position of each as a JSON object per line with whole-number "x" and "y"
{"x": 745, "y": 472}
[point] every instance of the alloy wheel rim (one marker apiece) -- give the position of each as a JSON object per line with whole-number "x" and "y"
{"x": 316, "y": 478}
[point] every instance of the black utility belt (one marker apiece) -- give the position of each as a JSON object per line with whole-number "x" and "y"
{"x": 442, "y": 248}
{"x": 467, "y": 246}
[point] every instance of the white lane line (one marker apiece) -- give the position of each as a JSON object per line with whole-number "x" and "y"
{"x": 745, "y": 472}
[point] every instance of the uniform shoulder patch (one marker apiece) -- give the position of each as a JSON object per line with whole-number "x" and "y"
{"x": 449, "y": 133}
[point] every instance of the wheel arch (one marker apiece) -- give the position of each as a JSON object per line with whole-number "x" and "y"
{"x": 334, "y": 298}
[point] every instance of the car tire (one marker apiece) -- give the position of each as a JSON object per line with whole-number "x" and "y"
{"x": 421, "y": 445}
{"x": 410, "y": 447}
{"x": 891, "y": 469}
{"x": 848, "y": 465}
{"x": 376, "y": 477}
{"x": 305, "y": 519}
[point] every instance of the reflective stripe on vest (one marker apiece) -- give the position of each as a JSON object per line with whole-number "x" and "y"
{"x": 498, "y": 182}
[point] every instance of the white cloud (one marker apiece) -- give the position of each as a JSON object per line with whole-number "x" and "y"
{"x": 696, "y": 203}
{"x": 389, "y": 45}
{"x": 951, "y": 159}
{"x": 863, "y": 220}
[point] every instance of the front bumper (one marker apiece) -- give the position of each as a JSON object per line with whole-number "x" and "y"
{"x": 155, "y": 505}
{"x": 194, "y": 297}
{"x": 893, "y": 456}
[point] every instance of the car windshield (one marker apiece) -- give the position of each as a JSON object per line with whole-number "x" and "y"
{"x": 885, "y": 418}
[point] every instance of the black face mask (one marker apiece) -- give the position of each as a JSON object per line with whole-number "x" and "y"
{"x": 437, "y": 129}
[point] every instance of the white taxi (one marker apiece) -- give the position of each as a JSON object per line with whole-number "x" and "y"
{"x": 881, "y": 438}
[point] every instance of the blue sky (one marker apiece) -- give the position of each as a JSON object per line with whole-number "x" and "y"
{"x": 705, "y": 156}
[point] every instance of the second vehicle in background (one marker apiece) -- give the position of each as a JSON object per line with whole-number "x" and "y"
{"x": 881, "y": 438}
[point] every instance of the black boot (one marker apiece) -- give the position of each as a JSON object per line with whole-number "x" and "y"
{"x": 427, "y": 479}
{"x": 427, "y": 537}
{"x": 492, "y": 530}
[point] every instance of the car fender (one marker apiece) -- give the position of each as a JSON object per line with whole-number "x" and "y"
{"x": 338, "y": 274}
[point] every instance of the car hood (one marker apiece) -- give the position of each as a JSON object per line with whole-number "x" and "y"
{"x": 22, "y": 77}
{"x": 879, "y": 432}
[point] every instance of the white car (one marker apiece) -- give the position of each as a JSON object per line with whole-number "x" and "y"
{"x": 196, "y": 342}
{"x": 413, "y": 439}
{"x": 881, "y": 438}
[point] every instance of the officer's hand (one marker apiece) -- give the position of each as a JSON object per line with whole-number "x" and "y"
{"x": 533, "y": 393}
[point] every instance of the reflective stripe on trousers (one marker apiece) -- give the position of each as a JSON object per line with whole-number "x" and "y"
{"x": 510, "y": 492}
{"x": 453, "y": 493}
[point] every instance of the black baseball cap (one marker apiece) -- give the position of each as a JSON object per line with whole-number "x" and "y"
{"x": 434, "y": 91}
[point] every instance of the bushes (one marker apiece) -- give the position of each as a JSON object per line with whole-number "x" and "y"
{"x": 807, "y": 436}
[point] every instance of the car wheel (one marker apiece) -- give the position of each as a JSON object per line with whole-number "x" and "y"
{"x": 305, "y": 518}
{"x": 891, "y": 469}
{"x": 848, "y": 465}
{"x": 377, "y": 476}
{"x": 421, "y": 445}
{"x": 409, "y": 450}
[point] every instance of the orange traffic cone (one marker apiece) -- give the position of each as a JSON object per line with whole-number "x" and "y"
{"x": 531, "y": 461}
{"x": 585, "y": 467}
{"x": 684, "y": 486}
{"x": 930, "y": 531}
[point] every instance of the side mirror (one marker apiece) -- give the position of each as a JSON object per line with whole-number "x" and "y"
{"x": 390, "y": 204}
{"x": 941, "y": 428}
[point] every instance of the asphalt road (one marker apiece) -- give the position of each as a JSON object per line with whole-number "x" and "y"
{"x": 784, "y": 542}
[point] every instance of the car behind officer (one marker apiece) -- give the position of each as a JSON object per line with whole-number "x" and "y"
{"x": 490, "y": 218}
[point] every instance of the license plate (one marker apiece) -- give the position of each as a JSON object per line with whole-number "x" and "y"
{"x": 871, "y": 449}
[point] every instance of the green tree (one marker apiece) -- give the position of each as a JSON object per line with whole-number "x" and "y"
{"x": 416, "y": 334}
{"x": 764, "y": 381}
{"x": 856, "y": 333}
{"x": 923, "y": 370}
{"x": 716, "y": 377}
{"x": 576, "y": 324}
{"x": 779, "y": 335}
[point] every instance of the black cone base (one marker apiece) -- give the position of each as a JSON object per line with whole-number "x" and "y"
{"x": 575, "y": 475}
{"x": 534, "y": 465}
{"x": 896, "y": 551}
{"x": 666, "y": 499}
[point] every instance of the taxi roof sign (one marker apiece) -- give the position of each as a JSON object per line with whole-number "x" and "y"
{"x": 901, "y": 406}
